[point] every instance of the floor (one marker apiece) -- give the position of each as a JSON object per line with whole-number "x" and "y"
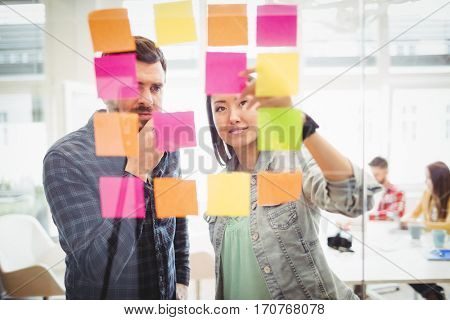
{"x": 405, "y": 292}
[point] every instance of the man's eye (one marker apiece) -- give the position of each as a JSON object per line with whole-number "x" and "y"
{"x": 156, "y": 89}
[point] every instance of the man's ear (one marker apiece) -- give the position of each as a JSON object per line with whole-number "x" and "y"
{"x": 111, "y": 105}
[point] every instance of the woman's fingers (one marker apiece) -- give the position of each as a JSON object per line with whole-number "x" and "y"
{"x": 254, "y": 103}
{"x": 269, "y": 102}
{"x": 249, "y": 90}
{"x": 247, "y": 72}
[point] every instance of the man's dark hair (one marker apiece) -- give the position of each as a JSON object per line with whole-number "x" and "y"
{"x": 379, "y": 162}
{"x": 146, "y": 51}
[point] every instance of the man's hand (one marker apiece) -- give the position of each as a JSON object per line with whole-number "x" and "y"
{"x": 148, "y": 156}
{"x": 255, "y": 102}
{"x": 182, "y": 291}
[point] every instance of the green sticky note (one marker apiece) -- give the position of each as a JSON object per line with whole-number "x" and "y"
{"x": 229, "y": 194}
{"x": 279, "y": 129}
{"x": 277, "y": 74}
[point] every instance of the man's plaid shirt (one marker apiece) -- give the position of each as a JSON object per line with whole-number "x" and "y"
{"x": 392, "y": 205}
{"x": 145, "y": 257}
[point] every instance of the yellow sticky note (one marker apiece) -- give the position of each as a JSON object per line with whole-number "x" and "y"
{"x": 229, "y": 194}
{"x": 277, "y": 74}
{"x": 174, "y": 23}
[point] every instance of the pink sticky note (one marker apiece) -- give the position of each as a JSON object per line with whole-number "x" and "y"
{"x": 116, "y": 76}
{"x": 276, "y": 25}
{"x": 122, "y": 197}
{"x": 222, "y": 72}
{"x": 174, "y": 130}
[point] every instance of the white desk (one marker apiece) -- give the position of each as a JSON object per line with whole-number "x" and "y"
{"x": 390, "y": 256}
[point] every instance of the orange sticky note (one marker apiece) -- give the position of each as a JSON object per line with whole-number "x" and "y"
{"x": 278, "y": 187}
{"x": 227, "y": 25}
{"x": 116, "y": 134}
{"x": 175, "y": 197}
{"x": 110, "y": 31}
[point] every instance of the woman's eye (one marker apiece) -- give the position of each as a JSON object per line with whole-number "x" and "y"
{"x": 220, "y": 108}
{"x": 243, "y": 103}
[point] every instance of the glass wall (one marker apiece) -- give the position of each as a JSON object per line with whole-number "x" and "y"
{"x": 375, "y": 75}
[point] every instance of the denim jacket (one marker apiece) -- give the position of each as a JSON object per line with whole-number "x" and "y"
{"x": 285, "y": 237}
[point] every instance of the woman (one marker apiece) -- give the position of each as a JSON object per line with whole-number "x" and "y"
{"x": 434, "y": 207}
{"x": 435, "y": 203}
{"x": 275, "y": 252}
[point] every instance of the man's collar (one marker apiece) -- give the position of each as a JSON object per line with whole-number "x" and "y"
{"x": 90, "y": 124}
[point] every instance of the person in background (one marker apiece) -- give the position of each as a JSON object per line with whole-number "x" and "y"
{"x": 434, "y": 207}
{"x": 392, "y": 204}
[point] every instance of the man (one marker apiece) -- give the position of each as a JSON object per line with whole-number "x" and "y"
{"x": 118, "y": 258}
{"x": 392, "y": 204}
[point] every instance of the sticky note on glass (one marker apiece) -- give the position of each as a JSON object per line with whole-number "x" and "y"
{"x": 276, "y": 25}
{"x": 277, "y": 74}
{"x": 174, "y": 23}
{"x": 175, "y": 197}
{"x": 279, "y": 129}
{"x": 222, "y": 72}
{"x": 174, "y": 130}
{"x": 227, "y": 25}
{"x": 122, "y": 197}
{"x": 116, "y": 134}
{"x": 116, "y": 76}
{"x": 229, "y": 194}
{"x": 110, "y": 31}
{"x": 278, "y": 187}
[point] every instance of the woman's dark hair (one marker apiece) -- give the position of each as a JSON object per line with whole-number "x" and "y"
{"x": 440, "y": 178}
{"x": 223, "y": 152}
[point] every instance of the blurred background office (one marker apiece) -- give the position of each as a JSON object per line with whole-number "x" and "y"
{"x": 395, "y": 103}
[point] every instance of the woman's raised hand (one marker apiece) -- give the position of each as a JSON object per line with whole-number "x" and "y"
{"x": 256, "y": 102}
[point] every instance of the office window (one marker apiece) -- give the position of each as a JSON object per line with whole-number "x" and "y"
{"x": 426, "y": 45}
{"x": 447, "y": 135}
{"x": 21, "y": 42}
{"x": 3, "y": 129}
{"x": 419, "y": 132}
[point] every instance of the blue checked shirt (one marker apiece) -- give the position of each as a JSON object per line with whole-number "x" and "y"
{"x": 111, "y": 258}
